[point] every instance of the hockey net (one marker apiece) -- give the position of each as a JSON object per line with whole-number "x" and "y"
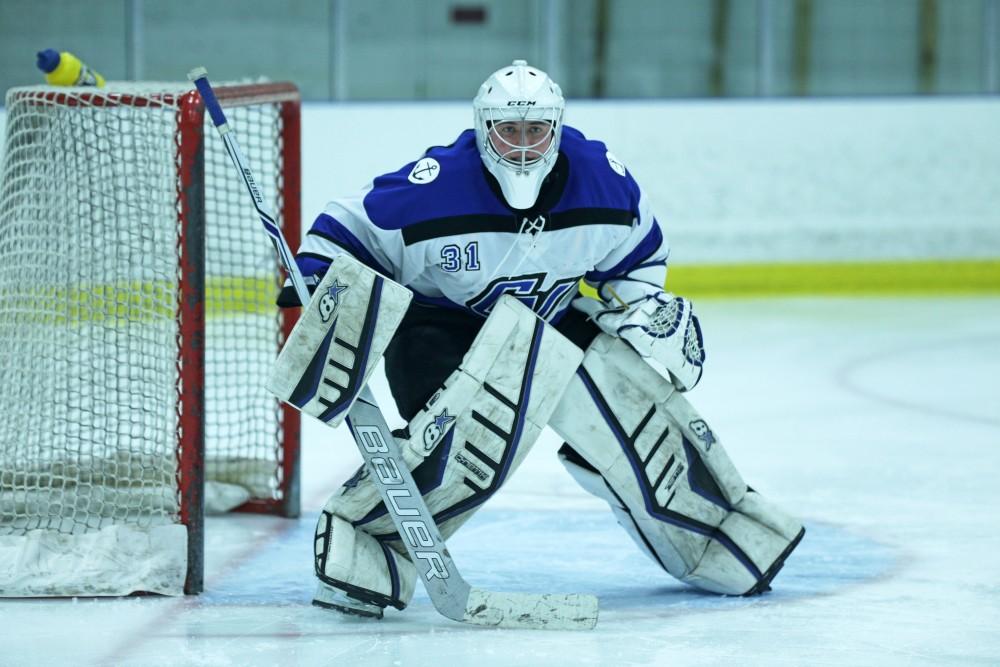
{"x": 137, "y": 327}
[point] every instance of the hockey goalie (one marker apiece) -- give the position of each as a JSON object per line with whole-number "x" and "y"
{"x": 461, "y": 270}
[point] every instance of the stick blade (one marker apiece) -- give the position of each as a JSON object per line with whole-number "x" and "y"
{"x": 531, "y": 611}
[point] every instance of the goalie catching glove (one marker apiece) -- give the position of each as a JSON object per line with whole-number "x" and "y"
{"x": 661, "y": 327}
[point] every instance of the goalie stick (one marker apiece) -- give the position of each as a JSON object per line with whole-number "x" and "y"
{"x": 451, "y": 595}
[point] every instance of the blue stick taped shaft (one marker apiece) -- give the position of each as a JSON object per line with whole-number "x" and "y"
{"x": 212, "y": 104}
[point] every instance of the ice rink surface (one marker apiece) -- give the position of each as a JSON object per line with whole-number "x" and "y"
{"x": 877, "y": 421}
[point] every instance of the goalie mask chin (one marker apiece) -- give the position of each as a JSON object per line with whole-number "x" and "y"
{"x": 518, "y": 121}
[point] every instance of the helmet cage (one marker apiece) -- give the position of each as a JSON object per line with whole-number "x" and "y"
{"x": 520, "y": 138}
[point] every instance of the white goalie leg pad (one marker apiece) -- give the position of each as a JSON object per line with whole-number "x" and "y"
{"x": 338, "y": 340}
{"x": 370, "y": 573}
{"x": 476, "y": 430}
{"x": 666, "y": 475}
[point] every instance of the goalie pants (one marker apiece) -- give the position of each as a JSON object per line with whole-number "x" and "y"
{"x": 431, "y": 342}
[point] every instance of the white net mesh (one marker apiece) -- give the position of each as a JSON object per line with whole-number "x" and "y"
{"x": 89, "y": 243}
{"x": 242, "y": 326}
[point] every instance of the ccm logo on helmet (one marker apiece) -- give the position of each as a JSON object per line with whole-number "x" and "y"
{"x": 521, "y": 103}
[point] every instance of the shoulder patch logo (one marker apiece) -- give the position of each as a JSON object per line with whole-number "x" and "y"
{"x": 616, "y": 164}
{"x": 424, "y": 171}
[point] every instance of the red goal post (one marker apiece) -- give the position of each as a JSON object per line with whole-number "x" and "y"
{"x": 138, "y": 319}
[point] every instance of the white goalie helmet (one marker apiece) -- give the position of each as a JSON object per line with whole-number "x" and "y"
{"x": 518, "y": 121}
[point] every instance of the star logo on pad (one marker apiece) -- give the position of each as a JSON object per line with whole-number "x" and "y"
{"x": 335, "y": 291}
{"x": 443, "y": 419}
{"x": 330, "y": 300}
{"x": 434, "y": 431}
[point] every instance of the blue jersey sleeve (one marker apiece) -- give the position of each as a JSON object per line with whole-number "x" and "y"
{"x": 344, "y": 227}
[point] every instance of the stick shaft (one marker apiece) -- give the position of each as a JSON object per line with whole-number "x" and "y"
{"x": 414, "y": 522}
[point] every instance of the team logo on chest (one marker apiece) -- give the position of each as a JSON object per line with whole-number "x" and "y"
{"x": 424, "y": 171}
{"x": 527, "y": 289}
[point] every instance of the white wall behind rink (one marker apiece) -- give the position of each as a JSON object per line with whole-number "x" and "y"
{"x": 741, "y": 180}
{"x": 738, "y": 181}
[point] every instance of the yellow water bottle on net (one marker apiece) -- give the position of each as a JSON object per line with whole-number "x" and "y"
{"x": 65, "y": 69}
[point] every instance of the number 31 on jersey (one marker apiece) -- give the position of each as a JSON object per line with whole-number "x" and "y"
{"x": 452, "y": 256}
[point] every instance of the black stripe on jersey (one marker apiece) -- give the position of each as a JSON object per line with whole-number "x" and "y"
{"x": 335, "y": 241}
{"x": 458, "y": 224}
{"x": 322, "y": 258}
{"x": 510, "y": 224}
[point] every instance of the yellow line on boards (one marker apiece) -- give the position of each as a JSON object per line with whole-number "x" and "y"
{"x": 142, "y": 301}
{"x": 835, "y": 278}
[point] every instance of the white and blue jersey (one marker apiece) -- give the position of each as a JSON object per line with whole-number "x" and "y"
{"x": 441, "y": 227}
